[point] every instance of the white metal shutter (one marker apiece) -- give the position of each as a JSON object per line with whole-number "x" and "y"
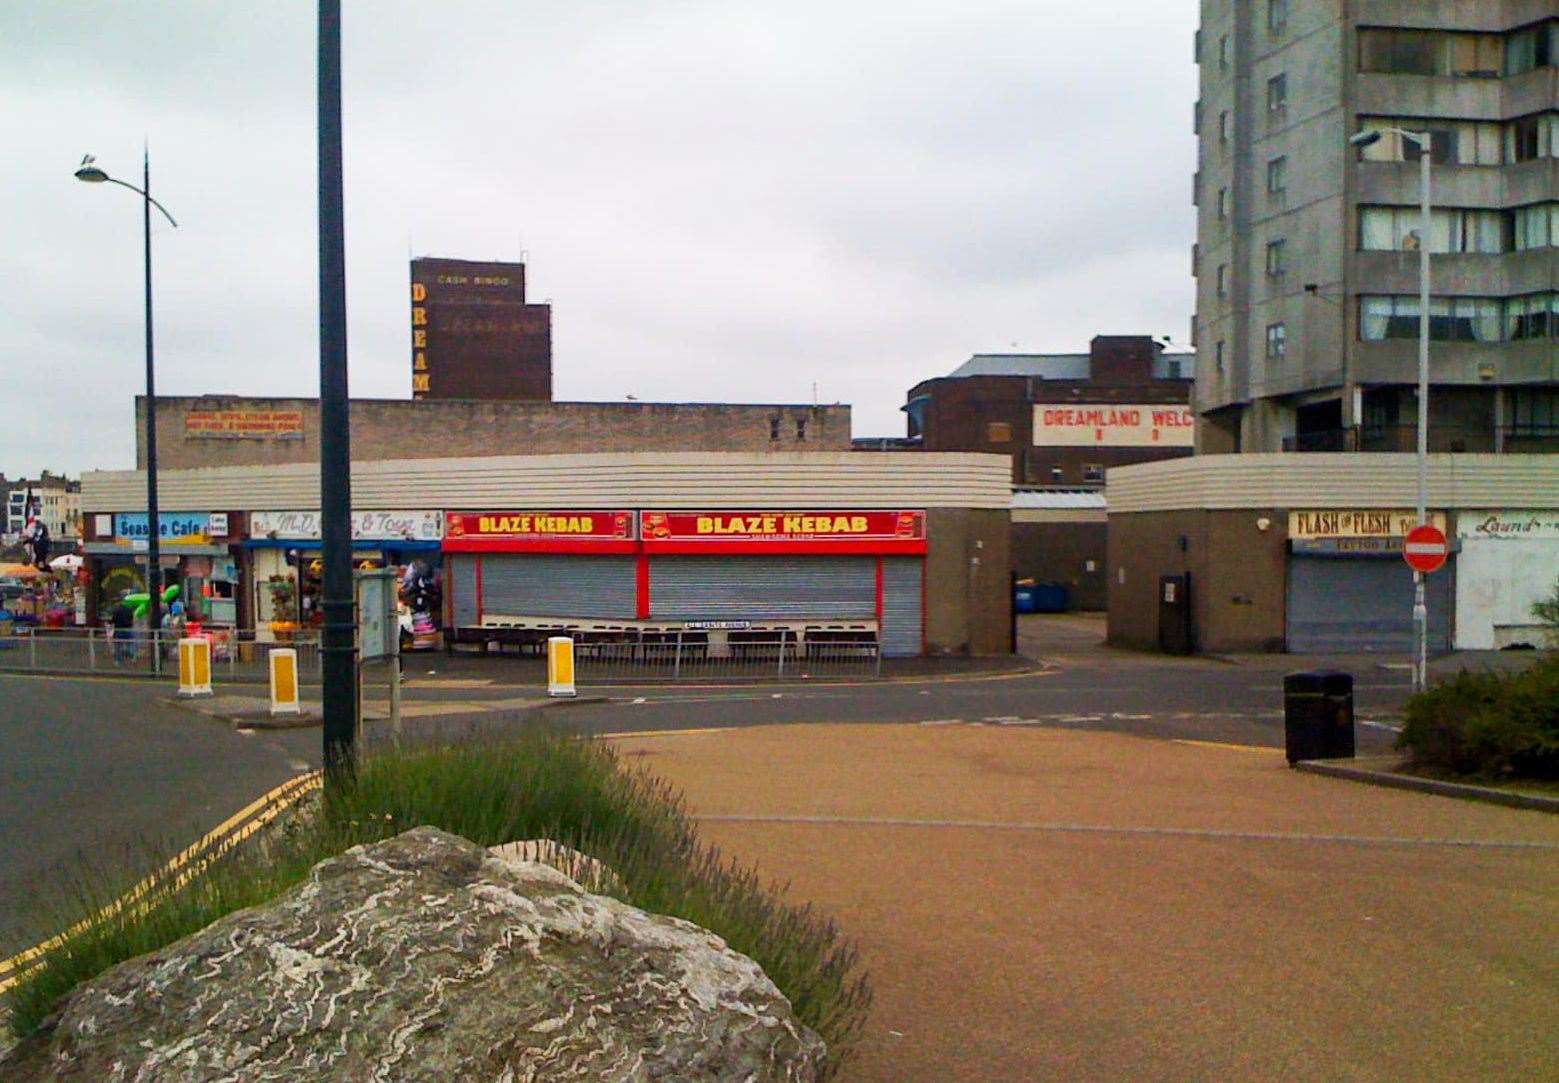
{"x": 901, "y": 616}
{"x": 461, "y": 589}
{"x": 554, "y": 585}
{"x": 763, "y": 588}
{"x": 1348, "y": 604}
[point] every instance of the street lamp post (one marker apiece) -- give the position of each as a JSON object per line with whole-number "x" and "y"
{"x": 1420, "y": 605}
{"x": 94, "y": 174}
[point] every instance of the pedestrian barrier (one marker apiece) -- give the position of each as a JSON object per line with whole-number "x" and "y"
{"x": 236, "y": 655}
{"x": 704, "y": 656}
{"x": 560, "y": 666}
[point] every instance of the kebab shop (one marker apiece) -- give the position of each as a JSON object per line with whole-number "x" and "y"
{"x": 812, "y": 573}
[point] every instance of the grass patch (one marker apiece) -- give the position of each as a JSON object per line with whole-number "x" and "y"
{"x": 1490, "y": 727}
{"x": 537, "y": 785}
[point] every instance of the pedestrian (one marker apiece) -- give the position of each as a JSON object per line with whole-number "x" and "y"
{"x": 123, "y": 619}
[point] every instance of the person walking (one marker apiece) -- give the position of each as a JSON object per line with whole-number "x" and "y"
{"x": 123, "y": 620}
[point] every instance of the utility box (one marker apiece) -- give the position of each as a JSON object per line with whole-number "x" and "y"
{"x": 1318, "y": 716}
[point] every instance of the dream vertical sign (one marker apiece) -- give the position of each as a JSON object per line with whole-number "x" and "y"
{"x": 474, "y": 336}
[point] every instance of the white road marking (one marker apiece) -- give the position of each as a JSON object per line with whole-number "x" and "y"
{"x": 640, "y": 699}
{"x": 298, "y": 765}
{"x": 776, "y": 695}
{"x": 1379, "y": 725}
{"x": 943, "y": 722}
{"x": 1003, "y": 719}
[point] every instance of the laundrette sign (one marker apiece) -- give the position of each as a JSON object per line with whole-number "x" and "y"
{"x": 1511, "y": 525}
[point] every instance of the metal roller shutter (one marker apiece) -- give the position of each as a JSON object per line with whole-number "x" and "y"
{"x": 462, "y": 589}
{"x": 1342, "y": 605}
{"x": 545, "y": 585}
{"x": 901, "y": 597}
{"x": 763, "y": 588}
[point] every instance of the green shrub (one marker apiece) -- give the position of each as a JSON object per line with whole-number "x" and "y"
{"x": 1488, "y": 725}
{"x": 1546, "y": 610}
{"x": 538, "y": 785}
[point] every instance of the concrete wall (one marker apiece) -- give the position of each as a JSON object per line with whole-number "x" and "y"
{"x": 1238, "y": 576}
{"x": 402, "y": 429}
{"x": 968, "y": 600}
{"x": 1059, "y": 553}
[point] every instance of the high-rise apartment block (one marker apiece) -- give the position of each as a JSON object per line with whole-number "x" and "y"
{"x": 1306, "y": 259}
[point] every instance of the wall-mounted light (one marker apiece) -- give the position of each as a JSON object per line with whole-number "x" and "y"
{"x": 1263, "y": 523}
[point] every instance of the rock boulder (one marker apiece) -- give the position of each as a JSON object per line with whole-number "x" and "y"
{"x": 425, "y": 957}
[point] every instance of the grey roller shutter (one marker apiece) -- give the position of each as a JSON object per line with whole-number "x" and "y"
{"x": 461, "y": 589}
{"x": 546, "y": 585}
{"x": 763, "y": 588}
{"x": 901, "y": 597}
{"x": 1343, "y": 605}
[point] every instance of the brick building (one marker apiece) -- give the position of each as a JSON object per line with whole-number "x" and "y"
{"x": 474, "y": 335}
{"x": 1063, "y": 418}
{"x": 234, "y": 431}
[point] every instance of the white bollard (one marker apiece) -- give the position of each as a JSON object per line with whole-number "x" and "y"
{"x": 560, "y": 666}
{"x": 195, "y": 666}
{"x": 284, "y": 681}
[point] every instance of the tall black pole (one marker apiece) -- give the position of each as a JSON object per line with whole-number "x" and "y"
{"x": 335, "y": 444}
{"x": 153, "y": 535}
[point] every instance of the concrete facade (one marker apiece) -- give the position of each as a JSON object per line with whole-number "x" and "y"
{"x": 432, "y": 428}
{"x": 1290, "y": 246}
{"x": 968, "y": 600}
{"x": 989, "y": 405}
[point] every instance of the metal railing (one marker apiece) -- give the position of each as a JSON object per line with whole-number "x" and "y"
{"x": 237, "y": 655}
{"x": 692, "y": 657}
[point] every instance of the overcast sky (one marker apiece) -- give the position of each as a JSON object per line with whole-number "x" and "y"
{"x": 724, "y": 201}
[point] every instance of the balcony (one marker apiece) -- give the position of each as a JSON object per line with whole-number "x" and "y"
{"x": 1518, "y": 439}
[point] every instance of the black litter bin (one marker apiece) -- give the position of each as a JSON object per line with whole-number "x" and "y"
{"x": 1318, "y": 715}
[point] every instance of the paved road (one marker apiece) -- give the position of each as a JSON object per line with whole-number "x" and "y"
{"x": 107, "y": 767}
{"x": 109, "y": 770}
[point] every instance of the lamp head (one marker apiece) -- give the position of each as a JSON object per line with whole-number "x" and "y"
{"x": 1364, "y": 138}
{"x": 89, "y": 172}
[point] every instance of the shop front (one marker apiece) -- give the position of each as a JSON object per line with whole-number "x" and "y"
{"x": 284, "y": 574}
{"x": 810, "y": 574}
{"x": 1509, "y": 559}
{"x": 195, "y": 553}
{"x": 1349, "y": 590}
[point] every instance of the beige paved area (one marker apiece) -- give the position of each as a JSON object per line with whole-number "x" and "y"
{"x": 1058, "y": 953}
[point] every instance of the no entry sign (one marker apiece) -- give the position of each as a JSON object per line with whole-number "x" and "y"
{"x": 1425, "y": 548}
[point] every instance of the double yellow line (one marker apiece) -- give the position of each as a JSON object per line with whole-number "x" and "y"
{"x": 179, "y": 870}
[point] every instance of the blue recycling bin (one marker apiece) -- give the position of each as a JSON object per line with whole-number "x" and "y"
{"x": 1050, "y": 598}
{"x": 1024, "y": 601}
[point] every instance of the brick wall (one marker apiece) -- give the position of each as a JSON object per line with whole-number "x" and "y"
{"x": 401, "y": 429}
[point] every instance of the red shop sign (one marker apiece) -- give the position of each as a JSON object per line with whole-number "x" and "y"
{"x": 784, "y": 531}
{"x": 539, "y": 531}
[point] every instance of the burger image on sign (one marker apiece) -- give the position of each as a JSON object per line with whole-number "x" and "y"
{"x": 655, "y": 525}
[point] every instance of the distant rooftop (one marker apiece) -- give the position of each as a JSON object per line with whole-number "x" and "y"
{"x": 1065, "y": 366}
{"x": 1058, "y": 498}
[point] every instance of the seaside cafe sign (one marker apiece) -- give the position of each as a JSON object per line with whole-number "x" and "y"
{"x": 366, "y": 525}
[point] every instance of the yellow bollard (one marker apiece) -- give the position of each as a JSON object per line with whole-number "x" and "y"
{"x": 284, "y": 681}
{"x": 560, "y": 666}
{"x": 195, "y": 666}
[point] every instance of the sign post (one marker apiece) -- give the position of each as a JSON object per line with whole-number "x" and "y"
{"x": 1425, "y": 549}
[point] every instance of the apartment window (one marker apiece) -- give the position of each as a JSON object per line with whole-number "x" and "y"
{"x": 774, "y": 428}
{"x": 1529, "y": 49}
{"x": 1196, "y": 117}
{"x": 1196, "y": 46}
{"x": 1534, "y": 412}
{"x": 1277, "y": 177}
{"x": 1276, "y": 260}
{"x": 1223, "y": 127}
{"x": 1223, "y": 204}
{"x": 1451, "y": 319}
{"x": 998, "y": 432}
{"x": 1529, "y": 317}
{"x": 1277, "y": 94}
{"x": 1431, "y": 52}
{"x": 1223, "y": 52}
{"x": 801, "y": 428}
{"x": 1218, "y": 358}
{"x": 1277, "y": 341}
{"x": 1395, "y": 229}
{"x": 1196, "y": 260}
{"x": 1277, "y": 17}
{"x": 1530, "y": 138}
{"x": 1451, "y": 142}
{"x": 1093, "y": 472}
{"x": 1535, "y": 227}
{"x": 1223, "y": 280}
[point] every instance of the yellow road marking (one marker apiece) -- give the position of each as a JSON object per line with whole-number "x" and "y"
{"x": 661, "y": 733}
{"x": 1223, "y": 744}
{"x": 221, "y": 837}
